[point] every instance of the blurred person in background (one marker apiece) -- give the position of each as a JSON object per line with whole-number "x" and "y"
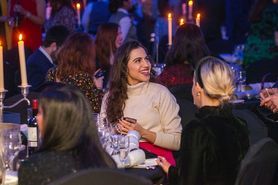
{"x": 27, "y": 18}
{"x": 76, "y": 66}
{"x": 44, "y": 57}
{"x": 108, "y": 40}
{"x": 188, "y": 48}
{"x": 120, "y": 15}
{"x": 95, "y": 13}
{"x": 62, "y": 13}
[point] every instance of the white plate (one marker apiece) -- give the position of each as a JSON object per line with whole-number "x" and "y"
{"x": 237, "y": 101}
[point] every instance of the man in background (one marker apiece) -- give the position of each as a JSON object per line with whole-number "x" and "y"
{"x": 44, "y": 57}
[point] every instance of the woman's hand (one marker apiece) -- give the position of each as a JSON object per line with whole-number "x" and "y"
{"x": 163, "y": 163}
{"x": 271, "y": 102}
{"x": 124, "y": 126}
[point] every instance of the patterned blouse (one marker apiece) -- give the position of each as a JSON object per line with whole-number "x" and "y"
{"x": 65, "y": 16}
{"x": 84, "y": 82}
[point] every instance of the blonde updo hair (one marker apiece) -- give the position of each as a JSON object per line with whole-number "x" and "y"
{"x": 216, "y": 78}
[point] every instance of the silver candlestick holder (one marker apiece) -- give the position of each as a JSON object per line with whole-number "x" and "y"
{"x": 24, "y": 92}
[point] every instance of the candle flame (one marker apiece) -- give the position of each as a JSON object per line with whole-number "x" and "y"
{"x": 169, "y": 15}
{"x": 78, "y": 6}
{"x": 181, "y": 21}
{"x": 20, "y": 37}
{"x": 0, "y": 43}
{"x": 198, "y": 15}
{"x": 190, "y": 3}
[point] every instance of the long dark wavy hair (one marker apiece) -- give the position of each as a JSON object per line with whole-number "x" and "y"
{"x": 118, "y": 87}
{"x": 68, "y": 126}
{"x": 76, "y": 54}
{"x": 188, "y": 46}
{"x": 105, "y": 43}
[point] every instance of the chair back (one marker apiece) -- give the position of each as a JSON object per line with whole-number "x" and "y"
{"x": 259, "y": 166}
{"x": 101, "y": 177}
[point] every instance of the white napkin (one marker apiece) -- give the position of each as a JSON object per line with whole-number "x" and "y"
{"x": 134, "y": 158}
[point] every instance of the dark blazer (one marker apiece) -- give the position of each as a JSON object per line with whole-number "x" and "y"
{"x": 37, "y": 66}
{"x": 212, "y": 147}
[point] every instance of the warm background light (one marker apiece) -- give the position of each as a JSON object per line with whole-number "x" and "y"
{"x": 20, "y": 37}
{"x": 78, "y": 6}
{"x": 182, "y": 21}
{"x": 169, "y": 15}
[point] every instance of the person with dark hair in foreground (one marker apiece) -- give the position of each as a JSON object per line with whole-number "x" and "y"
{"x": 214, "y": 143}
{"x": 69, "y": 139}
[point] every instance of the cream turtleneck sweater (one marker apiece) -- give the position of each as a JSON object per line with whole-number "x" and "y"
{"x": 155, "y": 109}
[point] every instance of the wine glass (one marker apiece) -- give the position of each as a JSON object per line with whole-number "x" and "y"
{"x": 123, "y": 149}
{"x": 241, "y": 79}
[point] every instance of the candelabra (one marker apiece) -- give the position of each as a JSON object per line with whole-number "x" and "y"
{"x": 24, "y": 92}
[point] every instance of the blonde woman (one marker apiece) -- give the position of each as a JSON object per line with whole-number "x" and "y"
{"x": 215, "y": 142}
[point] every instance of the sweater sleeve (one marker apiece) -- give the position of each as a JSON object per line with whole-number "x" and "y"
{"x": 171, "y": 122}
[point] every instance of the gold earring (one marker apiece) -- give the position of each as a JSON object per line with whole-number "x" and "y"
{"x": 198, "y": 93}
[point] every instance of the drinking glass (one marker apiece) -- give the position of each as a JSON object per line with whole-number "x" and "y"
{"x": 115, "y": 143}
{"x": 11, "y": 142}
{"x": 241, "y": 79}
{"x": 123, "y": 149}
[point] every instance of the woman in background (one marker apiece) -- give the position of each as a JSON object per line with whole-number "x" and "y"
{"x": 131, "y": 94}
{"x": 27, "y": 18}
{"x": 76, "y": 66}
{"x": 214, "y": 143}
{"x": 188, "y": 48}
{"x": 69, "y": 138}
{"x": 62, "y": 13}
{"x": 108, "y": 39}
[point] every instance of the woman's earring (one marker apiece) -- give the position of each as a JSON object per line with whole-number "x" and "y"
{"x": 198, "y": 93}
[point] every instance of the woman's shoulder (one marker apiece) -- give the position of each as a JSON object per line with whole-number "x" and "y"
{"x": 158, "y": 87}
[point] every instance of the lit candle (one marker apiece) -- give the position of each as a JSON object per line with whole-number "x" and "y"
{"x": 169, "y": 29}
{"x": 190, "y": 9}
{"x": 21, "y": 53}
{"x": 183, "y": 6}
{"x": 182, "y": 21}
{"x": 1, "y": 68}
{"x": 198, "y": 19}
{"x": 78, "y": 6}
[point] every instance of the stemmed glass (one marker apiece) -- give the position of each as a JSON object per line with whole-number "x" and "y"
{"x": 241, "y": 79}
{"x": 11, "y": 141}
{"x": 123, "y": 149}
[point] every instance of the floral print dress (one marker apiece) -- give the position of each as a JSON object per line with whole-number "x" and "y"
{"x": 84, "y": 82}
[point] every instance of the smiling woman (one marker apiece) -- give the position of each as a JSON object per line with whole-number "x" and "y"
{"x": 131, "y": 94}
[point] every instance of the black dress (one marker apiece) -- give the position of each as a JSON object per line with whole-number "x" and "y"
{"x": 212, "y": 147}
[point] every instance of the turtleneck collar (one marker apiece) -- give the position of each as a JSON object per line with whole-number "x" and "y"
{"x": 137, "y": 89}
